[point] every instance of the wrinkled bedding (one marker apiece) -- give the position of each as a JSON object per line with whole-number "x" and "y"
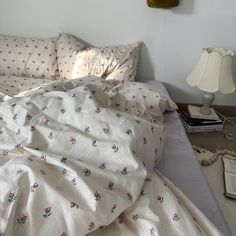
{"x": 71, "y": 164}
{"x": 14, "y": 86}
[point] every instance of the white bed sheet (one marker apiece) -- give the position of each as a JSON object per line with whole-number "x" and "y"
{"x": 182, "y": 168}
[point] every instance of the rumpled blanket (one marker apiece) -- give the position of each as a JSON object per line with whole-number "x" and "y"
{"x": 71, "y": 164}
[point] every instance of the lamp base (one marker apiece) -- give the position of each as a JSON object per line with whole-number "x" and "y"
{"x": 207, "y": 100}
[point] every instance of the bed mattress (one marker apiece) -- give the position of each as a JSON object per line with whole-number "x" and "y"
{"x": 182, "y": 168}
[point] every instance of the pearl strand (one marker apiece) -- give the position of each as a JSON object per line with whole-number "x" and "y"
{"x": 215, "y": 156}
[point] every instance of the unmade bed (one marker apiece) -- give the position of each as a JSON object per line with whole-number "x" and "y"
{"x": 77, "y": 155}
{"x": 182, "y": 168}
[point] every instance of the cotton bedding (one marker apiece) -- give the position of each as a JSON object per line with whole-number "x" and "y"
{"x": 72, "y": 163}
{"x": 14, "y": 86}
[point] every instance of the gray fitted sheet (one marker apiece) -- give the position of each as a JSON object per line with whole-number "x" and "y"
{"x": 182, "y": 168}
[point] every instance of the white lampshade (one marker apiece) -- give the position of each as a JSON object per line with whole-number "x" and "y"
{"x": 213, "y": 71}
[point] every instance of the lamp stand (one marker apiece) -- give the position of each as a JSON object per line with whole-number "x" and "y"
{"x": 207, "y": 100}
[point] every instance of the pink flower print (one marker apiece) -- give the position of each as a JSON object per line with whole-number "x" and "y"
{"x": 44, "y": 108}
{"x": 22, "y": 219}
{"x": 73, "y": 204}
{"x": 176, "y": 217}
{"x": 46, "y": 122}
{"x": 106, "y": 130}
{"x": 51, "y": 136}
{"x": 86, "y": 130}
{"x": 130, "y": 196}
{"x": 32, "y": 128}
{"x": 11, "y": 197}
{"x": 18, "y": 132}
{"x": 20, "y": 171}
{"x": 15, "y": 116}
{"x": 4, "y": 153}
{"x": 64, "y": 171}
{"x": 98, "y": 110}
{"x": 111, "y": 185}
{"x": 113, "y": 208}
{"x": 18, "y": 145}
{"x": 87, "y": 172}
{"x": 152, "y": 232}
{"x": 160, "y": 199}
{"x": 63, "y": 159}
{"x": 73, "y": 181}
{"x": 91, "y": 226}
{"x": 63, "y": 234}
{"x": 97, "y": 196}
{"x": 44, "y": 157}
{"x": 115, "y": 148}
{"x": 118, "y": 115}
{"x": 124, "y": 171}
{"x": 29, "y": 117}
{"x": 135, "y": 217}
{"x": 34, "y": 186}
{"x": 73, "y": 140}
{"x": 102, "y": 166}
{"x": 94, "y": 141}
{"x": 42, "y": 172}
{"x": 128, "y": 131}
{"x": 79, "y": 109}
{"x": 47, "y": 212}
{"x": 152, "y": 129}
{"x": 144, "y": 140}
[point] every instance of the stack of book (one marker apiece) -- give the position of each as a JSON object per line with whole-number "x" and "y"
{"x": 194, "y": 121}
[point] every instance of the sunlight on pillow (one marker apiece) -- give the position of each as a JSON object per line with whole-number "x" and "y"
{"x": 111, "y": 63}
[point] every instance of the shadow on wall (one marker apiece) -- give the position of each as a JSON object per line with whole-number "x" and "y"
{"x": 185, "y": 7}
{"x": 176, "y": 92}
{"x": 144, "y": 60}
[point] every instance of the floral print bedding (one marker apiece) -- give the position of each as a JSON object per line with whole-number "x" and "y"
{"x": 70, "y": 164}
{"x": 14, "y": 86}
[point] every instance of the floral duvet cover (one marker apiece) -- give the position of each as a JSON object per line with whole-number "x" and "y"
{"x": 73, "y": 164}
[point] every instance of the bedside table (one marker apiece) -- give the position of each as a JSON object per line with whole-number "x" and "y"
{"x": 214, "y": 141}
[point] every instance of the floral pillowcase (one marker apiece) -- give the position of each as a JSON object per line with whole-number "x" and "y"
{"x": 76, "y": 60}
{"x": 28, "y": 57}
{"x": 142, "y": 100}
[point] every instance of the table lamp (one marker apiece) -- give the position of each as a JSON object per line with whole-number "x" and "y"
{"x": 212, "y": 73}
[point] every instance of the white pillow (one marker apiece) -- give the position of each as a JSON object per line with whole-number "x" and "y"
{"x": 111, "y": 63}
{"x": 66, "y": 46}
{"x": 28, "y": 57}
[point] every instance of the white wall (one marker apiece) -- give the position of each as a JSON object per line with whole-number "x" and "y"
{"x": 173, "y": 38}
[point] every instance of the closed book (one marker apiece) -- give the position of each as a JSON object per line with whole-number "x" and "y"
{"x": 229, "y": 166}
{"x": 183, "y": 111}
{"x": 201, "y": 128}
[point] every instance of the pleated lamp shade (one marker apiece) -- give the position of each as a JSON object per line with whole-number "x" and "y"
{"x": 213, "y": 71}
